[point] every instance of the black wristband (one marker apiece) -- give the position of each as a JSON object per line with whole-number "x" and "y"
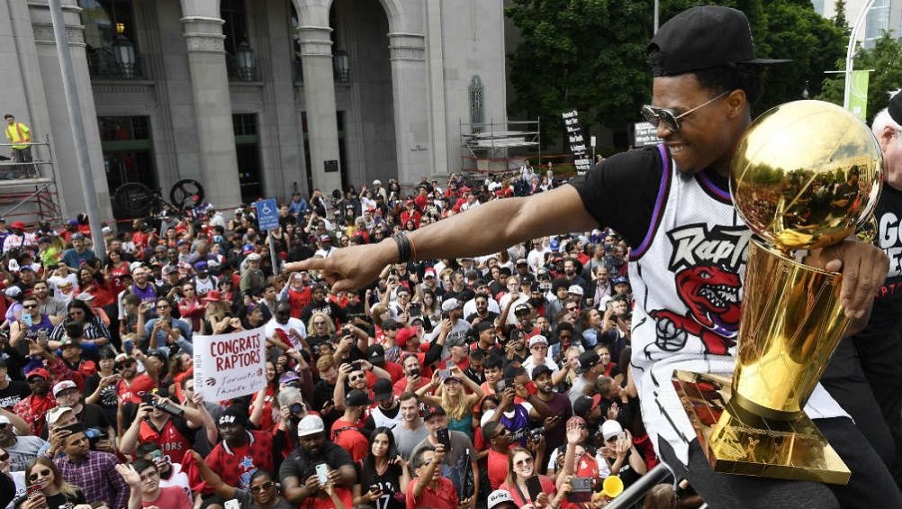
{"x": 404, "y": 249}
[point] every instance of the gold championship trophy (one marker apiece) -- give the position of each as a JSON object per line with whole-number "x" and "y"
{"x": 805, "y": 176}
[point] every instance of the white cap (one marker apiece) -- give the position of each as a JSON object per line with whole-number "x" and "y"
{"x": 4, "y": 419}
{"x": 85, "y": 296}
{"x": 499, "y": 497}
{"x": 55, "y": 413}
{"x": 377, "y": 182}
{"x": 253, "y": 257}
{"x": 575, "y": 289}
{"x": 310, "y": 425}
{"x": 135, "y": 266}
{"x": 538, "y": 339}
{"x": 63, "y": 385}
{"x": 486, "y": 417}
{"x": 611, "y": 428}
{"x": 13, "y": 291}
{"x": 450, "y": 305}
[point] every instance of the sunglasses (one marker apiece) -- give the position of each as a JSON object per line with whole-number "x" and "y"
{"x": 3, "y": 425}
{"x": 4, "y": 456}
{"x": 262, "y": 487}
{"x": 37, "y": 475}
{"x": 30, "y": 306}
{"x": 355, "y": 378}
{"x": 125, "y": 364}
{"x": 655, "y": 116}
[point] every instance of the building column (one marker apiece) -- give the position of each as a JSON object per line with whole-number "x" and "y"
{"x": 409, "y": 94}
{"x": 63, "y": 141}
{"x": 212, "y": 103}
{"x": 319, "y": 93}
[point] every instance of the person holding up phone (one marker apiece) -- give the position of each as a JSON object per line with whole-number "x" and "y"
{"x": 431, "y": 488}
{"x": 526, "y": 486}
{"x": 262, "y": 493}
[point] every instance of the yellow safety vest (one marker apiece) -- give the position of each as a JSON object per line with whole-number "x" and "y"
{"x": 19, "y": 135}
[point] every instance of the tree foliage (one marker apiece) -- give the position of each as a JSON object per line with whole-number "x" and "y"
{"x": 589, "y": 55}
{"x": 885, "y": 58}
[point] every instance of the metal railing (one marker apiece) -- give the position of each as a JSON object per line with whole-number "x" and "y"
{"x": 102, "y": 64}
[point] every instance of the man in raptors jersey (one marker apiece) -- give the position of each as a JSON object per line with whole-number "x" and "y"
{"x": 672, "y": 205}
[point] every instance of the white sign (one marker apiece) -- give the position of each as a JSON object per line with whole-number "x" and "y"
{"x": 645, "y": 134}
{"x": 229, "y": 366}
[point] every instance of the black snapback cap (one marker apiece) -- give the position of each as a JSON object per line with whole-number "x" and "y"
{"x": 704, "y": 37}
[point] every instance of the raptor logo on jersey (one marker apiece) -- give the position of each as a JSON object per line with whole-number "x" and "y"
{"x": 706, "y": 264}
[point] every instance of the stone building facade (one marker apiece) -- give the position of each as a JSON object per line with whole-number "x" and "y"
{"x": 255, "y": 98}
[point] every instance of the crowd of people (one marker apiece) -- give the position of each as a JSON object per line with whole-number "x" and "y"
{"x": 437, "y": 379}
{"x": 445, "y": 380}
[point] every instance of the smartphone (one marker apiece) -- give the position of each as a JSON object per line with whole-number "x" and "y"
{"x": 33, "y": 491}
{"x": 322, "y": 473}
{"x": 128, "y": 345}
{"x": 449, "y": 364}
{"x": 232, "y": 504}
{"x": 27, "y": 319}
{"x": 444, "y": 374}
{"x": 444, "y": 437}
{"x": 582, "y": 490}
{"x": 534, "y": 487}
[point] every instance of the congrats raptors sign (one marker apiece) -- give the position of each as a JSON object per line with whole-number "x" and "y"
{"x": 228, "y": 366}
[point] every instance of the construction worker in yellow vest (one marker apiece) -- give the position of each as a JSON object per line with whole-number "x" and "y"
{"x": 19, "y": 135}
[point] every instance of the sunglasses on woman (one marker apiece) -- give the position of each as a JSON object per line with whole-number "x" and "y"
{"x": 655, "y": 116}
{"x": 38, "y": 475}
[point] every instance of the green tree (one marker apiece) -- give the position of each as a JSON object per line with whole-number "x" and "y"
{"x": 589, "y": 55}
{"x": 885, "y": 58}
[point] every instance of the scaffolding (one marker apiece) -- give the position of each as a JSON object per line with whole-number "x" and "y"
{"x": 499, "y": 147}
{"x": 28, "y": 190}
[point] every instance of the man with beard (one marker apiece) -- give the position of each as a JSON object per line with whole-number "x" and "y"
{"x": 142, "y": 286}
{"x": 324, "y": 389}
{"x": 572, "y": 268}
{"x": 130, "y": 388}
{"x": 241, "y": 451}
{"x": 489, "y": 309}
{"x": 387, "y": 412}
{"x": 79, "y": 253}
{"x": 481, "y": 311}
{"x": 318, "y": 302}
{"x": 298, "y": 472}
{"x": 90, "y": 470}
{"x": 33, "y": 409}
{"x": 47, "y": 305}
{"x": 559, "y": 405}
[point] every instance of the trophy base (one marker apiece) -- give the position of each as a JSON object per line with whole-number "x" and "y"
{"x": 736, "y": 441}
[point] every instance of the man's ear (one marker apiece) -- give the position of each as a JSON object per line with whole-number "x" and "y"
{"x": 737, "y": 103}
{"x": 886, "y": 136}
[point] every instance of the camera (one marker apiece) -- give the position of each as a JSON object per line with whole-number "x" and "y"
{"x": 356, "y": 365}
{"x": 415, "y": 372}
{"x": 163, "y": 406}
{"x": 582, "y": 490}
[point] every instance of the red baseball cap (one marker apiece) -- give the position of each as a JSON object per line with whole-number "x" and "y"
{"x": 404, "y": 335}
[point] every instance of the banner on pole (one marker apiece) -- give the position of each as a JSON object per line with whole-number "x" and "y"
{"x": 228, "y": 366}
{"x": 858, "y": 100}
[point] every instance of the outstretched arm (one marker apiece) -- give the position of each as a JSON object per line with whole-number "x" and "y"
{"x": 557, "y": 211}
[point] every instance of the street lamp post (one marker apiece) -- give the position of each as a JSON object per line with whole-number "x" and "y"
{"x": 850, "y": 51}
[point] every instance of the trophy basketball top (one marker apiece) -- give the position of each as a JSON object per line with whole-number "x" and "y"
{"x": 806, "y": 175}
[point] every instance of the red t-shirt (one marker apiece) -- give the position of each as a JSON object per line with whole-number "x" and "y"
{"x": 171, "y": 497}
{"x": 347, "y": 435}
{"x": 444, "y": 497}
{"x": 170, "y": 439}
{"x": 236, "y": 464}
{"x": 497, "y": 467}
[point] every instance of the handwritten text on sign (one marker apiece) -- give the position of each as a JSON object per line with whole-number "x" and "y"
{"x": 230, "y": 365}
